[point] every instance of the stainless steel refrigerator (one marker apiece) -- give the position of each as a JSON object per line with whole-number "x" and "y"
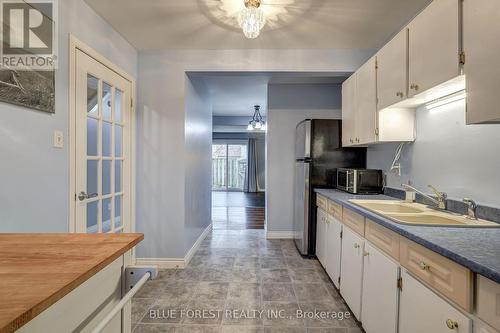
{"x": 318, "y": 155}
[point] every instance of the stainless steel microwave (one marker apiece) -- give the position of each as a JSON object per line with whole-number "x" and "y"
{"x": 360, "y": 181}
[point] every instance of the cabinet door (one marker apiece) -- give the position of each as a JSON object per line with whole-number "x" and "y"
{"x": 421, "y": 310}
{"x": 480, "y": 327}
{"x": 351, "y": 271}
{"x": 380, "y": 292}
{"x": 434, "y": 46}
{"x": 321, "y": 236}
{"x": 348, "y": 111}
{"x": 482, "y": 73}
{"x": 333, "y": 249}
{"x": 392, "y": 71}
{"x": 366, "y": 103}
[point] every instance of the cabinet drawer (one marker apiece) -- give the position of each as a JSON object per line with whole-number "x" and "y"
{"x": 383, "y": 238}
{"x": 354, "y": 221}
{"x": 335, "y": 210}
{"x": 488, "y": 301}
{"x": 321, "y": 202}
{"x": 445, "y": 276}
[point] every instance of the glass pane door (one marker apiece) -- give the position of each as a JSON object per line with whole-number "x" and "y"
{"x": 219, "y": 167}
{"x": 104, "y": 156}
{"x": 229, "y": 167}
{"x": 102, "y": 148}
{"x": 237, "y": 167}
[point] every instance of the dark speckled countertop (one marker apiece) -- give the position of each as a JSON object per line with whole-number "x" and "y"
{"x": 475, "y": 248}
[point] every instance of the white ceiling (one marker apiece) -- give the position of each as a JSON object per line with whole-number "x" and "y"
{"x": 237, "y": 95}
{"x": 303, "y": 24}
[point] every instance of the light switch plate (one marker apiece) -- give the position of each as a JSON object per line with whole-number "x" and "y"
{"x": 58, "y": 139}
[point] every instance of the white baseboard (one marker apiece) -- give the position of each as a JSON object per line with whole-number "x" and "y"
{"x": 279, "y": 234}
{"x": 169, "y": 263}
{"x": 197, "y": 244}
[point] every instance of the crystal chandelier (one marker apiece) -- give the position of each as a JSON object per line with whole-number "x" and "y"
{"x": 257, "y": 123}
{"x": 251, "y": 19}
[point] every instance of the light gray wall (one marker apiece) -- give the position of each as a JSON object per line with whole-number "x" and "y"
{"x": 461, "y": 160}
{"x": 198, "y": 141}
{"x": 34, "y": 188}
{"x": 288, "y": 105}
{"x": 161, "y": 119}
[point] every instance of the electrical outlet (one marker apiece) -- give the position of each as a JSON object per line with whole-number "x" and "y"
{"x": 58, "y": 139}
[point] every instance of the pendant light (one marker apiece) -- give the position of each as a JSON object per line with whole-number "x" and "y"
{"x": 257, "y": 123}
{"x": 251, "y": 19}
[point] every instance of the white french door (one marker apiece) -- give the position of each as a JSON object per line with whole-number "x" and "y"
{"x": 103, "y": 148}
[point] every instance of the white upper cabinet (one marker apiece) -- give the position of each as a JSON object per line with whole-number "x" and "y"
{"x": 392, "y": 71}
{"x": 366, "y": 103}
{"x": 362, "y": 123}
{"x": 348, "y": 110}
{"x": 482, "y": 50}
{"x": 434, "y": 46}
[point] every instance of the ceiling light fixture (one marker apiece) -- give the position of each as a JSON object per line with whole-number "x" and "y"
{"x": 251, "y": 19}
{"x": 257, "y": 123}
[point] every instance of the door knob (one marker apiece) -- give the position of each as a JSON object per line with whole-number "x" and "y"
{"x": 83, "y": 196}
{"x": 424, "y": 266}
{"x": 356, "y": 246}
{"x": 452, "y": 324}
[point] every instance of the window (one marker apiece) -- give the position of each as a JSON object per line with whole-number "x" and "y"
{"x": 229, "y": 166}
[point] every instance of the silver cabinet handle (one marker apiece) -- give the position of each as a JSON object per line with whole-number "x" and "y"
{"x": 84, "y": 196}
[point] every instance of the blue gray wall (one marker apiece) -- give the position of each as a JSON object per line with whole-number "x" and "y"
{"x": 34, "y": 189}
{"x": 198, "y": 143}
{"x": 458, "y": 159}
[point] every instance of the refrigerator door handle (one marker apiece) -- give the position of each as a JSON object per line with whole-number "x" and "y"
{"x": 308, "y": 129}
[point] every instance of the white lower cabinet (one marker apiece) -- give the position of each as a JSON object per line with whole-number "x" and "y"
{"x": 333, "y": 249}
{"x": 351, "y": 271}
{"x": 380, "y": 299}
{"x": 480, "y": 327}
{"x": 321, "y": 227}
{"x": 421, "y": 310}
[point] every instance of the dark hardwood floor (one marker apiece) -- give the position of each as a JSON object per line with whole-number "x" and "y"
{"x": 238, "y": 210}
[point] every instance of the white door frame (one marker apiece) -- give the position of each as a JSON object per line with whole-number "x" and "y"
{"x": 74, "y": 45}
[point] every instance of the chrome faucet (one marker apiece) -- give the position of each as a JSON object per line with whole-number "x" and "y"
{"x": 471, "y": 208}
{"x": 440, "y": 202}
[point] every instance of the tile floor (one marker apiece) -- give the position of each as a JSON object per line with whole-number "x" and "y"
{"x": 240, "y": 282}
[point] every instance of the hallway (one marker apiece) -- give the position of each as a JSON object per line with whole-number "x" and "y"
{"x": 235, "y": 275}
{"x": 238, "y": 210}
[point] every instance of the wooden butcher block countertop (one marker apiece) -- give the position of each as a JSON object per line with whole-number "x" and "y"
{"x": 37, "y": 270}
